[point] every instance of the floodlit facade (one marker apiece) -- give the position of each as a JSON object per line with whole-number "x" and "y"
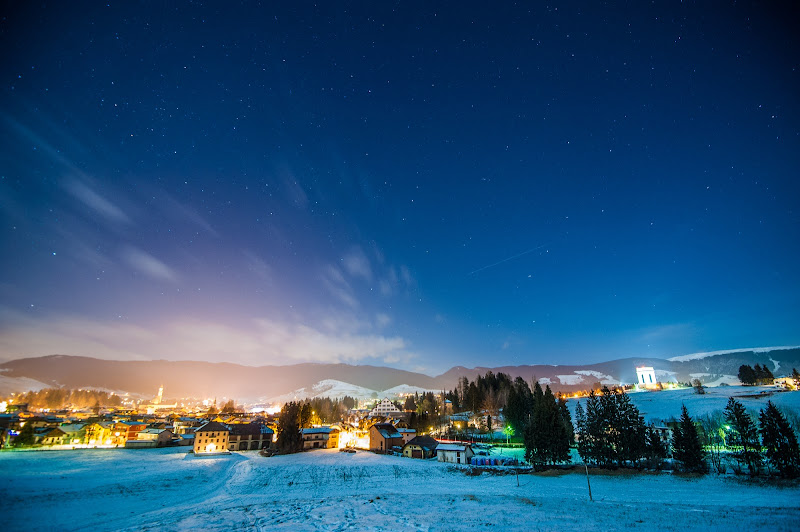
{"x": 211, "y": 438}
{"x": 385, "y": 409}
{"x": 646, "y": 377}
{"x": 320, "y": 438}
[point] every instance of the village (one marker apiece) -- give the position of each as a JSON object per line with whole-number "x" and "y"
{"x": 383, "y": 428}
{"x": 416, "y": 426}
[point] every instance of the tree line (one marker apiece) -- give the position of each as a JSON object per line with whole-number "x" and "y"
{"x": 58, "y": 398}
{"x": 752, "y": 376}
{"x": 611, "y": 433}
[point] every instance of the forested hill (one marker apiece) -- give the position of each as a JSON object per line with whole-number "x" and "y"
{"x": 206, "y": 379}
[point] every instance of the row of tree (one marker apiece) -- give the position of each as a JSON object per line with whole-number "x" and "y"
{"x": 612, "y": 433}
{"x": 57, "y": 398}
{"x": 751, "y": 376}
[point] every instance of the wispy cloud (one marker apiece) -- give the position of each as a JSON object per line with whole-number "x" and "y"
{"x": 147, "y": 264}
{"x": 357, "y": 264}
{"x": 260, "y": 341}
{"x": 95, "y": 201}
{"x": 336, "y": 285}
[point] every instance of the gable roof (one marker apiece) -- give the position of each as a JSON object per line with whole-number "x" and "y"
{"x": 213, "y": 426}
{"x": 453, "y": 447}
{"x": 320, "y": 430}
{"x": 154, "y": 431}
{"x": 253, "y": 429}
{"x": 387, "y": 430}
{"x": 426, "y": 442}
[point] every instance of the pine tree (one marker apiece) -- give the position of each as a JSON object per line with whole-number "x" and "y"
{"x": 747, "y": 375}
{"x": 766, "y": 376}
{"x": 632, "y": 431}
{"x": 546, "y": 437}
{"x": 26, "y": 436}
{"x": 686, "y": 447}
{"x": 759, "y": 373}
{"x": 780, "y": 442}
{"x": 306, "y": 412}
{"x": 743, "y": 437}
{"x": 580, "y": 425}
{"x": 655, "y": 448}
{"x": 229, "y": 407}
{"x": 289, "y": 439}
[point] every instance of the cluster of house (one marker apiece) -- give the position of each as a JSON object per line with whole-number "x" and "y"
{"x": 230, "y": 432}
{"x": 385, "y": 438}
{"x": 130, "y": 430}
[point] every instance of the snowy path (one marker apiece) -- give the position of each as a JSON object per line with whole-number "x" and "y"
{"x": 327, "y": 490}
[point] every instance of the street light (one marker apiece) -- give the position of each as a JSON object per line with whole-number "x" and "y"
{"x": 508, "y": 430}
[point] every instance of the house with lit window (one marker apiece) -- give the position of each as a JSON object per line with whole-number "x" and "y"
{"x": 49, "y": 436}
{"x": 408, "y": 434}
{"x": 158, "y": 437}
{"x": 420, "y": 447}
{"x": 123, "y": 431}
{"x": 383, "y": 437}
{"x": 249, "y": 437}
{"x": 211, "y": 438}
{"x": 386, "y": 409}
{"x": 99, "y": 433}
{"x": 320, "y": 438}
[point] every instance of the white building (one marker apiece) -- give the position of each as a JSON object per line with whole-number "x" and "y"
{"x": 646, "y": 377}
{"x": 385, "y": 409}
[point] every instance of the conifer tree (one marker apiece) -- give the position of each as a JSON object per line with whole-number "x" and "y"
{"x": 747, "y": 375}
{"x": 655, "y": 448}
{"x": 743, "y": 437}
{"x": 686, "y": 447}
{"x": 26, "y": 436}
{"x": 632, "y": 431}
{"x": 580, "y": 426}
{"x": 766, "y": 375}
{"x": 289, "y": 438}
{"x": 547, "y": 437}
{"x": 780, "y": 442}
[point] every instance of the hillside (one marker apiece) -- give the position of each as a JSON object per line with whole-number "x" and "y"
{"x": 266, "y": 383}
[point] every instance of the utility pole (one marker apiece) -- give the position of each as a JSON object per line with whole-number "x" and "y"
{"x": 587, "y": 481}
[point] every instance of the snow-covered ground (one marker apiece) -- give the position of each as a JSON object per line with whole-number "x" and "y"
{"x": 327, "y": 490}
{"x": 666, "y": 404}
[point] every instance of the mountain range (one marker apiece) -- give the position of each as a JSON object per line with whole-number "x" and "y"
{"x": 280, "y": 383}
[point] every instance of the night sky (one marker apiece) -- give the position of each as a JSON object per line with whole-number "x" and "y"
{"x": 398, "y": 184}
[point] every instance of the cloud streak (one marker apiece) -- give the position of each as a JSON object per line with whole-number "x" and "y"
{"x": 258, "y": 342}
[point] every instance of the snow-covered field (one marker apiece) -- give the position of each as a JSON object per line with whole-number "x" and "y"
{"x": 666, "y": 404}
{"x": 327, "y": 490}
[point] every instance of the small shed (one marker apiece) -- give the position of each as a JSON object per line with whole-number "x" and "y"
{"x": 455, "y": 453}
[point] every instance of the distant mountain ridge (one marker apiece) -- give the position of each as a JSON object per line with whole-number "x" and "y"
{"x": 184, "y": 379}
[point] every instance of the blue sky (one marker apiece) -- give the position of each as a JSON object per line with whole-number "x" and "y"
{"x": 401, "y": 185}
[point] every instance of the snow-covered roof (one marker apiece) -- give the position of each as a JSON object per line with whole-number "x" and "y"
{"x": 152, "y": 431}
{"x": 451, "y": 447}
{"x": 319, "y": 430}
